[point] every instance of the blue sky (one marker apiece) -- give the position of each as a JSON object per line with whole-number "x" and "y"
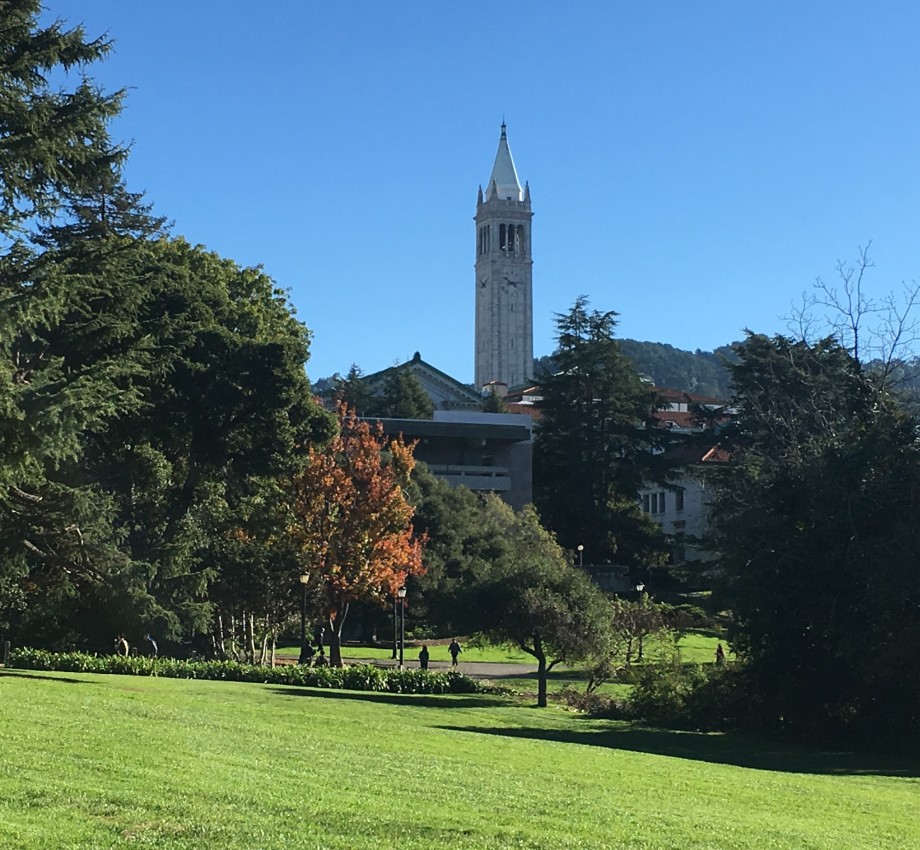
{"x": 693, "y": 166}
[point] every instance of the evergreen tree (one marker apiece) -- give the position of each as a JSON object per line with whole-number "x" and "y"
{"x": 403, "y": 397}
{"x": 594, "y": 445}
{"x": 53, "y": 141}
{"x": 353, "y": 391}
{"x": 818, "y": 525}
{"x": 494, "y": 403}
{"x": 54, "y": 146}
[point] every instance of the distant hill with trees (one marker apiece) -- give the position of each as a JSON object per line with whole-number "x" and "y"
{"x": 702, "y": 372}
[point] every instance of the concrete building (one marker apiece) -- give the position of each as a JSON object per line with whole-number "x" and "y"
{"x": 486, "y": 452}
{"x": 504, "y": 277}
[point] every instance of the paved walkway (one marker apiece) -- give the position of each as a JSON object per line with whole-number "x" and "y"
{"x": 476, "y": 669}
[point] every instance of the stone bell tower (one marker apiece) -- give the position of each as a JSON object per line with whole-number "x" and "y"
{"x": 504, "y": 276}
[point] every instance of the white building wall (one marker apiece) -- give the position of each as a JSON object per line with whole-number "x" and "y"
{"x": 682, "y": 508}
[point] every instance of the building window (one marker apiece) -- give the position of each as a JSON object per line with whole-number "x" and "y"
{"x": 645, "y": 503}
{"x": 657, "y": 503}
{"x": 678, "y": 500}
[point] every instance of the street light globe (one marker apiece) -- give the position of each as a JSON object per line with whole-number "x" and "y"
{"x": 580, "y": 547}
{"x": 401, "y": 593}
{"x": 640, "y": 587}
{"x": 304, "y": 578}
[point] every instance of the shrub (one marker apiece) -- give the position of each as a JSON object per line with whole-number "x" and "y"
{"x": 690, "y": 696}
{"x": 356, "y": 678}
{"x": 595, "y": 704}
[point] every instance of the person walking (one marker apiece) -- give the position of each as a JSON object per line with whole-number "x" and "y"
{"x": 154, "y": 649}
{"x": 423, "y": 657}
{"x": 121, "y": 646}
{"x": 454, "y": 650}
{"x": 720, "y": 654}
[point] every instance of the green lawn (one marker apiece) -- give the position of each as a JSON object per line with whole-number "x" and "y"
{"x": 694, "y": 648}
{"x": 110, "y": 761}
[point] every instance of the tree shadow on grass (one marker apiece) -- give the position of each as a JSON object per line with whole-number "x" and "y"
{"x": 726, "y": 749}
{"x": 420, "y": 700}
{"x": 66, "y": 679}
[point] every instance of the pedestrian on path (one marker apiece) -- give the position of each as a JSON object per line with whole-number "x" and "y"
{"x": 154, "y": 649}
{"x": 454, "y": 650}
{"x": 423, "y": 657}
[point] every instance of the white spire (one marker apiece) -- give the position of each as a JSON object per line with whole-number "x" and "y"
{"x": 504, "y": 179}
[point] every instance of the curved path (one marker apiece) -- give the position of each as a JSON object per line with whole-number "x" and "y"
{"x": 476, "y": 669}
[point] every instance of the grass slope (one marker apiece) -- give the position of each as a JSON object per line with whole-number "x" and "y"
{"x": 111, "y": 761}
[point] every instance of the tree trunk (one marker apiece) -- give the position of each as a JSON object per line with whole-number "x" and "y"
{"x": 263, "y": 654}
{"x": 249, "y": 626}
{"x": 220, "y": 650}
{"x": 541, "y": 681}
{"x": 541, "y": 671}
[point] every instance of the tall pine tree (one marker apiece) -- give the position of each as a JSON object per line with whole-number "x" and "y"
{"x": 594, "y": 445}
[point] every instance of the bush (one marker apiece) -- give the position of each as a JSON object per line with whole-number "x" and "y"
{"x": 595, "y": 704}
{"x": 357, "y": 678}
{"x": 690, "y": 696}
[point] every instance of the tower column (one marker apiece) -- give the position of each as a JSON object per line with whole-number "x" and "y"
{"x": 504, "y": 277}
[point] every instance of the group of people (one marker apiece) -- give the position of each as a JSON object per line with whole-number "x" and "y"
{"x": 123, "y": 649}
{"x": 454, "y": 649}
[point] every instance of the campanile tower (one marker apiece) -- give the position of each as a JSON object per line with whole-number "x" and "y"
{"x": 504, "y": 276}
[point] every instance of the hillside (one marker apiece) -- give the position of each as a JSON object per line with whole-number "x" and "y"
{"x": 701, "y": 372}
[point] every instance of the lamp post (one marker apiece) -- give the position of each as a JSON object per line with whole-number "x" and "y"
{"x": 640, "y": 587}
{"x": 401, "y": 593}
{"x": 395, "y": 629}
{"x": 581, "y": 552}
{"x": 304, "y": 579}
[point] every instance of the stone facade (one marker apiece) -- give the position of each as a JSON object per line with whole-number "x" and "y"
{"x": 504, "y": 277}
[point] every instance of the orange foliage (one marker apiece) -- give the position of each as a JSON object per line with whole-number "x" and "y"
{"x": 350, "y": 518}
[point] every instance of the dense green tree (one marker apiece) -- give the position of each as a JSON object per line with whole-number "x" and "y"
{"x": 593, "y": 449}
{"x": 146, "y": 385}
{"x": 818, "y": 525}
{"x": 54, "y": 146}
{"x": 457, "y": 556}
{"x": 205, "y": 391}
{"x": 501, "y": 575}
{"x": 533, "y": 598}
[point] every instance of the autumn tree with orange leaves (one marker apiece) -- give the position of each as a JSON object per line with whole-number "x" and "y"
{"x": 351, "y": 522}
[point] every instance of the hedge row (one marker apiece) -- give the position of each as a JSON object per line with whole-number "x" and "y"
{"x": 357, "y": 678}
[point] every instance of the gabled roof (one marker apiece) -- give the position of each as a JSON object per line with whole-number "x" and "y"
{"x": 445, "y": 392}
{"x": 504, "y": 180}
